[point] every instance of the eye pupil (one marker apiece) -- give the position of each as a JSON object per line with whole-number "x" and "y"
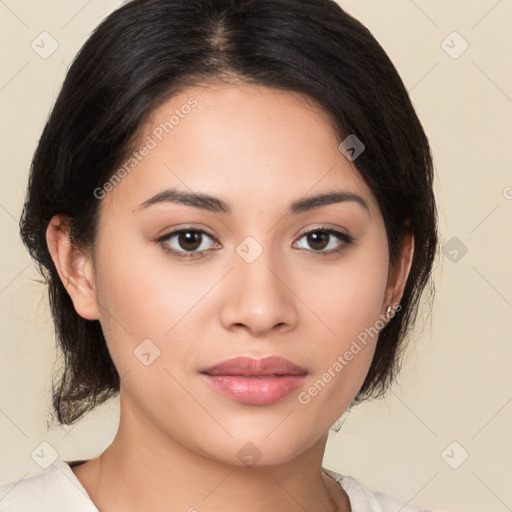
{"x": 318, "y": 237}
{"x": 189, "y": 240}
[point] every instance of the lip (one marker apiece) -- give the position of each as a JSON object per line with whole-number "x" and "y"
{"x": 255, "y": 381}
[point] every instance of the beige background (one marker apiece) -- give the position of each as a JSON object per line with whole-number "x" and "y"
{"x": 456, "y": 380}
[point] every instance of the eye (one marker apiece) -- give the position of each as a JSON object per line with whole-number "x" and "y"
{"x": 186, "y": 242}
{"x": 194, "y": 243}
{"x": 320, "y": 239}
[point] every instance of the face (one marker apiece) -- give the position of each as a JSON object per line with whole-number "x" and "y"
{"x": 183, "y": 287}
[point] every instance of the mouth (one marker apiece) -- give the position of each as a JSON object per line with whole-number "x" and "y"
{"x": 255, "y": 381}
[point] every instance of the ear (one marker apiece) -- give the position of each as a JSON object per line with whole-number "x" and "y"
{"x": 398, "y": 273}
{"x": 75, "y": 268}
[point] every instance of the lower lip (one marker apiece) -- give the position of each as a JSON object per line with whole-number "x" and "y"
{"x": 255, "y": 390}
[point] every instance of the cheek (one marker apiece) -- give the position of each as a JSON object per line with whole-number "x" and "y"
{"x": 147, "y": 310}
{"x": 349, "y": 306}
{"x": 145, "y": 297}
{"x": 351, "y": 294}
{"x": 142, "y": 291}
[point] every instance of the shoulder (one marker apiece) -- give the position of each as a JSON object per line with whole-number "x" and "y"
{"x": 362, "y": 498}
{"x": 56, "y": 489}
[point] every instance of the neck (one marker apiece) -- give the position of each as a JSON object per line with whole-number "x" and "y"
{"x": 145, "y": 469}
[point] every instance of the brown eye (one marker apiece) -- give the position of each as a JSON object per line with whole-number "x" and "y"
{"x": 318, "y": 240}
{"x": 189, "y": 240}
{"x": 186, "y": 242}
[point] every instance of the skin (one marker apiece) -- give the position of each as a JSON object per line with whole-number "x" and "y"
{"x": 259, "y": 150}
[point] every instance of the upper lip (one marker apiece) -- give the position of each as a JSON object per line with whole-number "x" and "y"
{"x": 249, "y": 366}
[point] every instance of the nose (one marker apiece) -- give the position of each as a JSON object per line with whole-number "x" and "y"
{"x": 258, "y": 297}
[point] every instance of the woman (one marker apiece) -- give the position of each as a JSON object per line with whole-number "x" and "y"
{"x": 232, "y": 204}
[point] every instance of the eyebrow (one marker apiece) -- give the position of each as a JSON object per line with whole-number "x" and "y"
{"x": 214, "y": 204}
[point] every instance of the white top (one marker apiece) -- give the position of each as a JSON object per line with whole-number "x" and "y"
{"x": 57, "y": 489}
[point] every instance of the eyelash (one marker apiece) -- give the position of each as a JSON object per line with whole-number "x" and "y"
{"x": 347, "y": 239}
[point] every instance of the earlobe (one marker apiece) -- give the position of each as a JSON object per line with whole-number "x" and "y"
{"x": 74, "y": 267}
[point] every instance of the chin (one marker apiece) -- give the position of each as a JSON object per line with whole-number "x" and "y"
{"x": 258, "y": 447}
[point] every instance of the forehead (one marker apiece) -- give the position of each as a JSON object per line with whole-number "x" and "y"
{"x": 248, "y": 143}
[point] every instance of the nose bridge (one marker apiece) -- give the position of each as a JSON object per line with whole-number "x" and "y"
{"x": 257, "y": 296}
